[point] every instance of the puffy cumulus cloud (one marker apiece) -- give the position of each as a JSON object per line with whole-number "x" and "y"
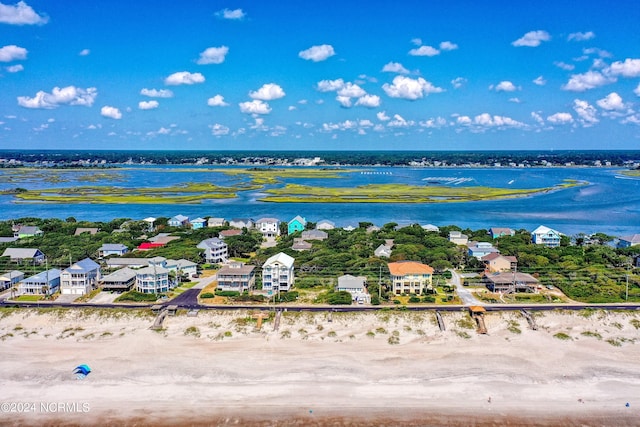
{"x": 458, "y": 82}
{"x": 515, "y": 100}
{"x": 317, "y": 53}
{"x": 155, "y": 93}
{"x": 184, "y": 78}
{"x": 394, "y": 67}
{"x": 560, "y": 118}
{"x": 148, "y": 105}
{"x": 540, "y": 81}
{"x": 84, "y": 52}
{"x": 585, "y": 81}
{"x": 382, "y": 116}
{"x": 12, "y": 53}
{"x": 330, "y": 85}
{"x": 400, "y": 122}
{"x": 14, "y": 68}
{"x": 464, "y": 120}
{"x": 416, "y": 41}
{"x": 487, "y": 120}
{"x": 21, "y": 14}
{"x": 408, "y": 88}
{"x": 69, "y": 95}
{"x": 503, "y": 86}
{"x": 216, "y": 101}
{"x": 344, "y": 101}
{"x": 613, "y": 101}
{"x": 268, "y": 92}
{"x": 438, "y": 122}
{"x": 369, "y": 101}
{"x": 537, "y": 117}
{"x": 532, "y": 39}
{"x": 111, "y": 112}
{"x": 213, "y": 55}
{"x": 447, "y": 45}
{"x": 219, "y": 130}
{"x": 628, "y": 68}
{"x": 351, "y": 90}
{"x": 637, "y": 90}
{"x": 234, "y": 15}
{"x": 586, "y": 112}
{"x": 255, "y": 107}
{"x": 424, "y": 51}
{"x": 564, "y": 65}
{"x": 580, "y": 37}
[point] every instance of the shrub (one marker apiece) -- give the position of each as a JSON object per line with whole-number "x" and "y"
{"x": 227, "y": 293}
{"x": 562, "y": 336}
{"x": 207, "y": 295}
{"x": 429, "y": 299}
{"x": 288, "y": 296}
{"x": 414, "y": 299}
{"x": 137, "y": 297}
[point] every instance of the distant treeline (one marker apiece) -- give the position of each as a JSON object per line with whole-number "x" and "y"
{"x": 387, "y": 158}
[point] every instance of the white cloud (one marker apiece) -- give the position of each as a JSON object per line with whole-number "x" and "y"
{"x": 537, "y": 117}
{"x": 330, "y": 85}
{"x": 486, "y": 120}
{"x": 268, "y": 92}
{"x": 540, "y": 81}
{"x": 424, "y": 51}
{"x": 399, "y": 122}
{"x": 255, "y": 107}
{"x": 21, "y": 14}
{"x": 394, "y": 67}
{"x": 588, "y": 80}
{"x": 382, "y": 116}
{"x": 515, "y": 100}
{"x": 580, "y": 37}
{"x": 560, "y": 118}
{"x": 504, "y": 86}
{"x": 155, "y": 93}
{"x": 447, "y": 45}
{"x": 12, "y": 53}
{"x": 111, "y": 112}
{"x": 351, "y": 90}
{"x": 637, "y": 90}
{"x": 436, "y": 123}
{"x": 532, "y": 39}
{"x": 564, "y": 65}
{"x": 213, "y": 55}
{"x": 408, "y": 88}
{"x": 216, "y": 101}
{"x": 463, "y": 120}
{"x": 458, "y": 82}
{"x": 184, "y": 78}
{"x": 369, "y": 101}
{"x": 69, "y": 95}
{"x": 344, "y": 101}
{"x": 416, "y": 41}
{"x": 84, "y": 52}
{"x": 14, "y": 68}
{"x": 628, "y": 68}
{"x": 235, "y": 14}
{"x": 600, "y": 52}
{"x": 317, "y": 53}
{"x": 148, "y": 105}
{"x": 587, "y": 112}
{"x": 613, "y": 101}
{"x": 219, "y": 130}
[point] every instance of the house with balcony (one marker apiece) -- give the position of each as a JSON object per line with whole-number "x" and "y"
{"x": 109, "y": 249}
{"x": 10, "y": 279}
{"x": 278, "y": 273}
{"x": 356, "y": 286}
{"x": 215, "y": 222}
{"x": 269, "y": 227}
{"x": 44, "y": 283}
{"x": 298, "y": 223}
{"x": 496, "y": 262}
{"x": 410, "y": 277}
{"x": 215, "y": 250}
{"x": 24, "y": 255}
{"x": 236, "y": 276}
{"x": 510, "y": 282}
{"x": 458, "y": 238}
{"x": 480, "y": 249}
{"x": 186, "y": 267}
{"x": 153, "y": 279}
{"x": 546, "y": 236}
{"x": 80, "y": 278}
{"x": 121, "y": 280}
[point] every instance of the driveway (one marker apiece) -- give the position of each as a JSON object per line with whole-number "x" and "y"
{"x": 466, "y": 296}
{"x": 105, "y": 298}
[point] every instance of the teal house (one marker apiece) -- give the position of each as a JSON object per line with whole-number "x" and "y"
{"x": 296, "y": 224}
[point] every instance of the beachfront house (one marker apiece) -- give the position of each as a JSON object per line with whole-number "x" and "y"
{"x": 241, "y": 223}
{"x": 269, "y": 227}
{"x": 121, "y": 280}
{"x": 496, "y": 262}
{"x": 496, "y": 232}
{"x": 410, "y": 277}
{"x": 628, "y": 241}
{"x": 179, "y": 221}
{"x": 24, "y": 255}
{"x": 44, "y": 283}
{"x": 509, "y": 282}
{"x": 153, "y": 279}
{"x": 298, "y": 223}
{"x": 10, "y": 278}
{"x": 545, "y": 236}
{"x": 109, "y": 249}
{"x": 480, "y": 249}
{"x": 237, "y": 276}
{"x": 80, "y": 278}
{"x": 325, "y": 224}
{"x": 278, "y": 273}
{"x": 458, "y": 238}
{"x": 356, "y": 286}
{"x": 314, "y": 235}
{"x": 215, "y": 250}
{"x": 198, "y": 223}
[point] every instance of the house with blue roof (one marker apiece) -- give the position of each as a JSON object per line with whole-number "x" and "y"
{"x": 108, "y": 249}
{"x": 80, "y": 278}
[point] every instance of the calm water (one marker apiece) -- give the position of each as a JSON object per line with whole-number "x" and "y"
{"x": 609, "y": 204}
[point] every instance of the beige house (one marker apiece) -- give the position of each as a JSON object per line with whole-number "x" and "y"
{"x": 410, "y": 277}
{"x": 458, "y": 238}
{"x": 496, "y": 262}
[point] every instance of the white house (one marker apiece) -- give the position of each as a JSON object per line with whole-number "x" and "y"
{"x": 277, "y": 273}
{"x": 383, "y": 251}
{"x": 325, "y": 224}
{"x": 152, "y": 280}
{"x": 108, "y": 249}
{"x": 188, "y": 268}
{"x": 80, "y": 278}
{"x": 356, "y": 286}
{"x": 546, "y": 236}
{"x": 269, "y": 227}
{"x": 215, "y": 250}
{"x": 215, "y": 222}
{"x": 44, "y": 283}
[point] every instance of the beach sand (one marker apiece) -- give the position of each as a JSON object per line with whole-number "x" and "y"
{"x": 344, "y": 369}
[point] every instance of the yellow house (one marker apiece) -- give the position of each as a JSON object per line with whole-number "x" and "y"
{"x": 410, "y": 277}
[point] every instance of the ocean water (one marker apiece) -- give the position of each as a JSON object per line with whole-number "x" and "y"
{"x": 608, "y": 204}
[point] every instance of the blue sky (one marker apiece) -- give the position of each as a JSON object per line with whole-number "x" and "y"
{"x": 319, "y": 75}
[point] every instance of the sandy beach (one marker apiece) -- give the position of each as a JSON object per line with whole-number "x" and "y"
{"x": 386, "y": 368}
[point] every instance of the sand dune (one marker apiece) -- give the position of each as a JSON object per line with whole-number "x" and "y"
{"x": 386, "y": 368}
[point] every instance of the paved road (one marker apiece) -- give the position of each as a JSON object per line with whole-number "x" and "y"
{"x": 465, "y": 295}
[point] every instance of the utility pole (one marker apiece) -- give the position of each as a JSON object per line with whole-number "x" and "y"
{"x": 626, "y": 296}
